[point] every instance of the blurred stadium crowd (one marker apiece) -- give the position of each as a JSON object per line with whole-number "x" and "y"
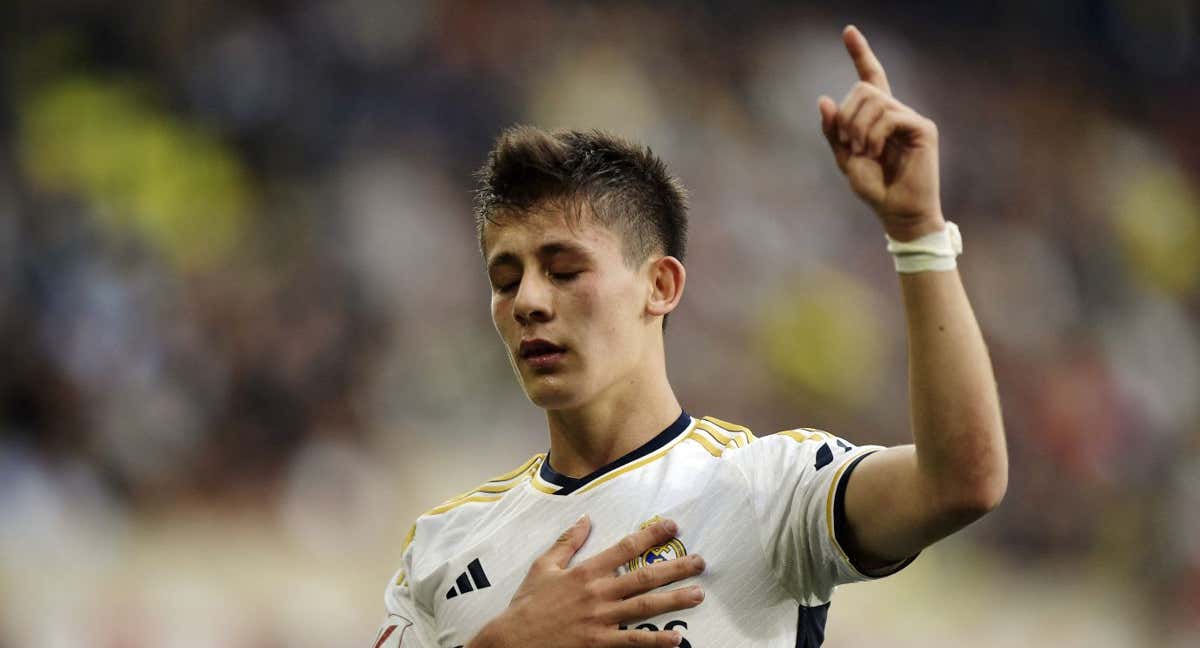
{"x": 245, "y": 327}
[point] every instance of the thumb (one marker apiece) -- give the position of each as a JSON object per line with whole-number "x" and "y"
{"x": 560, "y": 553}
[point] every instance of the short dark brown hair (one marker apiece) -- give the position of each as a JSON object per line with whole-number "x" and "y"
{"x": 626, "y": 186}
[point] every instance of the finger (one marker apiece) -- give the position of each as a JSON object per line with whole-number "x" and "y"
{"x": 631, "y": 546}
{"x": 868, "y": 66}
{"x": 860, "y": 126}
{"x": 850, "y": 106}
{"x": 894, "y": 122}
{"x": 664, "y": 639}
{"x": 564, "y": 548}
{"x": 878, "y": 136}
{"x": 653, "y": 604}
{"x": 655, "y": 576}
{"x": 828, "y": 110}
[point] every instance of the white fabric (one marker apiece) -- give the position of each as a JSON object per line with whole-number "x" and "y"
{"x": 758, "y": 514}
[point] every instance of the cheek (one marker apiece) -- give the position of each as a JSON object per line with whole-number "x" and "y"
{"x": 610, "y": 310}
{"x": 499, "y": 308}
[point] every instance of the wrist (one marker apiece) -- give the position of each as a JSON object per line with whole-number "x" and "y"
{"x": 916, "y": 228}
{"x": 934, "y": 251}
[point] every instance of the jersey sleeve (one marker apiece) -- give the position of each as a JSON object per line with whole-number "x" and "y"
{"x": 797, "y": 481}
{"x": 407, "y": 625}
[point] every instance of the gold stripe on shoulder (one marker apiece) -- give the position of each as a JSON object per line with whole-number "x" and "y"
{"x": 716, "y": 432}
{"x": 455, "y": 503}
{"x": 513, "y": 474}
{"x": 712, "y": 449}
{"x": 723, "y": 436}
{"x": 412, "y": 532}
{"x": 505, "y": 482}
{"x": 733, "y": 427}
{"x": 801, "y": 437}
{"x": 503, "y": 488}
{"x": 822, "y": 434}
{"x": 491, "y": 490}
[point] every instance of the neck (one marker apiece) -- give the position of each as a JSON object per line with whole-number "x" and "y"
{"x": 628, "y": 415}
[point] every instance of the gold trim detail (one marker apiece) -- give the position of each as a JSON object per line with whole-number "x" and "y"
{"x": 455, "y": 503}
{"x": 513, "y": 474}
{"x": 733, "y": 427}
{"x": 712, "y": 449}
{"x": 412, "y": 532}
{"x": 715, "y": 431}
{"x": 488, "y": 492}
{"x": 739, "y": 438}
{"x": 795, "y": 435}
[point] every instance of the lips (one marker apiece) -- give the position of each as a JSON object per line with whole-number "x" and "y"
{"x": 538, "y": 347}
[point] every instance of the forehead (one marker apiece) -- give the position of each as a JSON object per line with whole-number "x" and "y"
{"x": 529, "y": 233}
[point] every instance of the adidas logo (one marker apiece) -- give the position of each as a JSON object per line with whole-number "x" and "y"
{"x": 469, "y": 581}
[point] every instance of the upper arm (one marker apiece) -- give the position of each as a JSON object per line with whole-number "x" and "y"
{"x": 892, "y": 510}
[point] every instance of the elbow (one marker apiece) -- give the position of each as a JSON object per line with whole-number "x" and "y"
{"x": 975, "y": 489}
{"x": 990, "y": 488}
{"x": 980, "y": 495}
{"x": 987, "y": 497}
{"x": 981, "y": 481}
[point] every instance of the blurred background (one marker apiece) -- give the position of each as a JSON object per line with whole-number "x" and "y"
{"x": 245, "y": 329}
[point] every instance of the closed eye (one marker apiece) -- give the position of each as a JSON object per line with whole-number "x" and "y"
{"x": 505, "y": 288}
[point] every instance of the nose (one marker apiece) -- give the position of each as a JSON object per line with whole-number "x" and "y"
{"x": 533, "y": 301}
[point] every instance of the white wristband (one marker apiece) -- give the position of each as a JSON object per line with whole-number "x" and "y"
{"x": 934, "y": 251}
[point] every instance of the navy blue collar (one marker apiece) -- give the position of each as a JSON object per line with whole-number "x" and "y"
{"x": 568, "y": 485}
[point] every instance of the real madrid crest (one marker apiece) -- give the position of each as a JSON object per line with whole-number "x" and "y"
{"x": 669, "y": 550}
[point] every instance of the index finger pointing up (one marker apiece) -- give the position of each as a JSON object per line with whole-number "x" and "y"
{"x": 869, "y": 68}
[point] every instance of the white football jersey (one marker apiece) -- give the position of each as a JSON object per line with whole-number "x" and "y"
{"x": 764, "y": 512}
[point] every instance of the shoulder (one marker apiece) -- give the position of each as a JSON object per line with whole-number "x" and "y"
{"x": 717, "y": 436}
{"x": 723, "y": 439}
{"x": 797, "y": 451}
{"x": 440, "y": 525}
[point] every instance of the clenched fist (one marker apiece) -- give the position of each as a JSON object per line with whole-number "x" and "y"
{"x": 887, "y": 150}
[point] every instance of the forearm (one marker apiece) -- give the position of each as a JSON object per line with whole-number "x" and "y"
{"x": 904, "y": 498}
{"x": 955, "y": 410}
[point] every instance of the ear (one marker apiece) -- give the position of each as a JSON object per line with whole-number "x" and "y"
{"x": 667, "y": 277}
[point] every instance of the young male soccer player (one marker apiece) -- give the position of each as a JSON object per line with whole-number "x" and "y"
{"x": 582, "y": 235}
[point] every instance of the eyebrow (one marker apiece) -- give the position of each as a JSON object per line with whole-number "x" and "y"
{"x": 548, "y": 249}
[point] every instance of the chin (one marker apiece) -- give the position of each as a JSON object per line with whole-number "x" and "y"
{"x": 550, "y": 394}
